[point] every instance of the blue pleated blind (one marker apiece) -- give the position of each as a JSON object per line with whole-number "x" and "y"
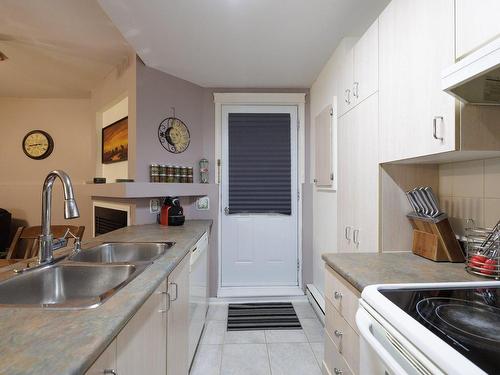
{"x": 259, "y": 163}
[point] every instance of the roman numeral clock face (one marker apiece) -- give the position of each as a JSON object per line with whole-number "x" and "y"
{"x": 174, "y": 135}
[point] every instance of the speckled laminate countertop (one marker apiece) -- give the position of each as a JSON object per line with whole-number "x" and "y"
{"x": 44, "y": 341}
{"x": 363, "y": 269}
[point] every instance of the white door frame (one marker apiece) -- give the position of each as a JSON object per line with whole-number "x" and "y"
{"x": 286, "y": 99}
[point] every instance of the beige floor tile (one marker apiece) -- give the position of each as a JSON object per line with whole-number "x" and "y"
{"x": 293, "y": 359}
{"x": 214, "y": 332}
{"x": 217, "y": 311}
{"x": 304, "y": 310}
{"x": 244, "y": 337}
{"x": 318, "y": 349}
{"x": 207, "y": 360}
{"x": 245, "y": 359}
{"x": 292, "y": 335}
{"x": 313, "y": 329}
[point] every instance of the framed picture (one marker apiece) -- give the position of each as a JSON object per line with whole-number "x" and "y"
{"x": 115, "y": 142}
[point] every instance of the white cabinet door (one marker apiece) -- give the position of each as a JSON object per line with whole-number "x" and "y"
{"x": 142, "y": 344}
{"x": 366, "y": 65}
{"x": 477, "y": 23}
{"x": 346, "y": 99}
{"x": 323, "y": 157}
{"x": 416, "y": 41}
{"x": 346, "y": 176}
{"x": 365, "y": 202}
{"x": 178, "y": 319}
{"x": 106, "y": 361}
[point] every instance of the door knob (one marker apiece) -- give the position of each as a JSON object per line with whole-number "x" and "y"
{"x": 226, "y": 210}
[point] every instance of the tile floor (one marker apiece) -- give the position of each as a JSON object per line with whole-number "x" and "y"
{"x": 260, "y": 352}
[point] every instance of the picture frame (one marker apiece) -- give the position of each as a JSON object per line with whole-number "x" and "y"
{"x": 115, "y": 142}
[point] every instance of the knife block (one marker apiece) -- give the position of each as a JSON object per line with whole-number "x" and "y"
{"x": 434, "y": 239}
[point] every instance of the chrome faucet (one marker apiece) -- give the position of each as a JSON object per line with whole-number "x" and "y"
{"x": 70, "y": 212}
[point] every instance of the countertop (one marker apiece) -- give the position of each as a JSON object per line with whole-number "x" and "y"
{"x": 363, "y": 269}
{"x": 44, "y": 341}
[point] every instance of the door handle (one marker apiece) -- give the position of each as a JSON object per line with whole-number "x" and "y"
{"x": 176, "y": 291}
{"x": 347, "y": 96}
{"x": 355, "y": 236}
{"x": 355, "y": 90}
{"x": 347, "y": 233}
{"x": 434, "y": 127}
{"x": 226, "y": 210}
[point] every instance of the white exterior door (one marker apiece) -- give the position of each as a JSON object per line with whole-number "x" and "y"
{"x": 259, "y": 223}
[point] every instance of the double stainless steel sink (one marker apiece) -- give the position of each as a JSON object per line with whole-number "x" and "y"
{"x": 83, "y": 280}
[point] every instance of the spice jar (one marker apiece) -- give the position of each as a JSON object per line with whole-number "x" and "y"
{"x": 154, "y": 173}
{"x": 163, "y": 173}
{"x": 204, "y": 171}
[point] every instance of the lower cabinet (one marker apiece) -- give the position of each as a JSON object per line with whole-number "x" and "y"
{"x": 155, "y": 340}
{"x": 178, "y": 320}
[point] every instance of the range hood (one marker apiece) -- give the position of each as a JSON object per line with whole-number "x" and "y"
{"x": 476, "y": 78}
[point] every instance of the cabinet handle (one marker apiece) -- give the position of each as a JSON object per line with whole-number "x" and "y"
{"x": 347, "y": 96}
{"x": 347, "y": 233}
{"x": 338, "y": 333}
{"x": 337, "y": 371}
{"x": 337, "y": 295}
{"x": 110, "y": 371}
{"x": 434, "y": 127}
{"x": 355, "y": 236}
{"x": 163, "y": 311}
{"x": 176, "y": 292}
{"x": 355, "y": 90}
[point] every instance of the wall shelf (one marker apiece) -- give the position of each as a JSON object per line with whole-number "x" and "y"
{"x": 150, "y": 190}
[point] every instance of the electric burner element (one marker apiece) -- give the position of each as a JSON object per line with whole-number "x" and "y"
{"x": 468, "y": 319}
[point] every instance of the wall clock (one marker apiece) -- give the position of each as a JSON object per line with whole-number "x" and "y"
{"x": 174, "y": 135}
{"x": 38, "y": 144}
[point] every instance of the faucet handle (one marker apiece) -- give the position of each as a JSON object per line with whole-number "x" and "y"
{"x": 77, "y": 246}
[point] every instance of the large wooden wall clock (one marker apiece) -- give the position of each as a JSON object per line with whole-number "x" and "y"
{"x": 38, "y": 144}
{"x": 174, "y": 135}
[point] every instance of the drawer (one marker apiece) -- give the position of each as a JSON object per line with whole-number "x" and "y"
{"x": 344, "y": 337}
{"x": 333, "y": 362}
{"x": 342, "y": 295}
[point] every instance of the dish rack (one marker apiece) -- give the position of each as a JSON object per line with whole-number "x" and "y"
{"x": 483, "y": 250}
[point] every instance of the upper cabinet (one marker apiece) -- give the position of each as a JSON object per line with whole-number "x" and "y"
{"x": 359, "y": 71}
{"x": 477, "y": 23}
{"x": 416, "y": 41}
{"x": 324, "y": 158}
{"x": 365, "y": 57}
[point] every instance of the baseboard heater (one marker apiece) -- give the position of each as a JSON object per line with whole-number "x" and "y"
{"x": 316, "y": 300}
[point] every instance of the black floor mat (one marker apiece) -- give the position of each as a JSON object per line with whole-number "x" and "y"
{"x": 259, "y": 316}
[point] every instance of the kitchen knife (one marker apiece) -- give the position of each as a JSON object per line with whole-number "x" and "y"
{"x": 413, "y": 204}
{"x": 432, "y": 209}
{"x": 420, "y": 207}
{"x": 420, "y": 199}
{"x": 432, "y": 198}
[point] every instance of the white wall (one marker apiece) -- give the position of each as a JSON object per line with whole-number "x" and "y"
{"x": 324, "y": 201}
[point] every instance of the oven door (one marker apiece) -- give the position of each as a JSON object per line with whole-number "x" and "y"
{"x": 383, "y": 350}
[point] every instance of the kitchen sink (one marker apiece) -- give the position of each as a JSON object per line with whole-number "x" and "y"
{"x": 66, "y": 285}
{"x": 122, "y": 252}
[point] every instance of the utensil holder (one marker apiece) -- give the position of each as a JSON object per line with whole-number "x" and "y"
{"x": 434, "y": 239}
{"x": 483, "y": 252}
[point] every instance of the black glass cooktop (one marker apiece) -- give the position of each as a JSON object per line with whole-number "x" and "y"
{"x": 467, "y": 319}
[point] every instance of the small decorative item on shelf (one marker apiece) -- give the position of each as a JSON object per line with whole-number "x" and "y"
{"x": 204, "y": 171}
{"x": 483, "y": 250}
{"x": 169, "y": 173}
{"x": 154, "y": 173}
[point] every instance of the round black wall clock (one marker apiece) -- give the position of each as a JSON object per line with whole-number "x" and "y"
{"x": 37, "y": 144}
{"x": 174, "y": 135}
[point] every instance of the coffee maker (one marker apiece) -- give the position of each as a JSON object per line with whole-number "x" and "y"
{"x": 172, "y": 213}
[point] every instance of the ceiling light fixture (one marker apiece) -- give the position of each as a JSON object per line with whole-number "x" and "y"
{"x": 2, "y": 56}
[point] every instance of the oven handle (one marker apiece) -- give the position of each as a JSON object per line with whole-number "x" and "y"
{"x": 364, "y": 324}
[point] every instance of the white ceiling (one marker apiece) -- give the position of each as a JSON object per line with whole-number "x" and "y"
{"x": 56, "y": 48}
{"x": 240, "y": 43}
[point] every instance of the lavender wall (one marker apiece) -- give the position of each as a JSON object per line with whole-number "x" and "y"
{"x": 157, "y": 92}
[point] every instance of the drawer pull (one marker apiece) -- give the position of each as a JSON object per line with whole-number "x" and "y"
{"x": 337, "y": 295}
{"x": 337, "y": 371}
{"x": 338, "y": 333}
{"x": 110, "y": 371}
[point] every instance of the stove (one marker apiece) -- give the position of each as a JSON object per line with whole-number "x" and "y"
{"x": 440, "y": 328}
{"x": 468, "y": 319}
